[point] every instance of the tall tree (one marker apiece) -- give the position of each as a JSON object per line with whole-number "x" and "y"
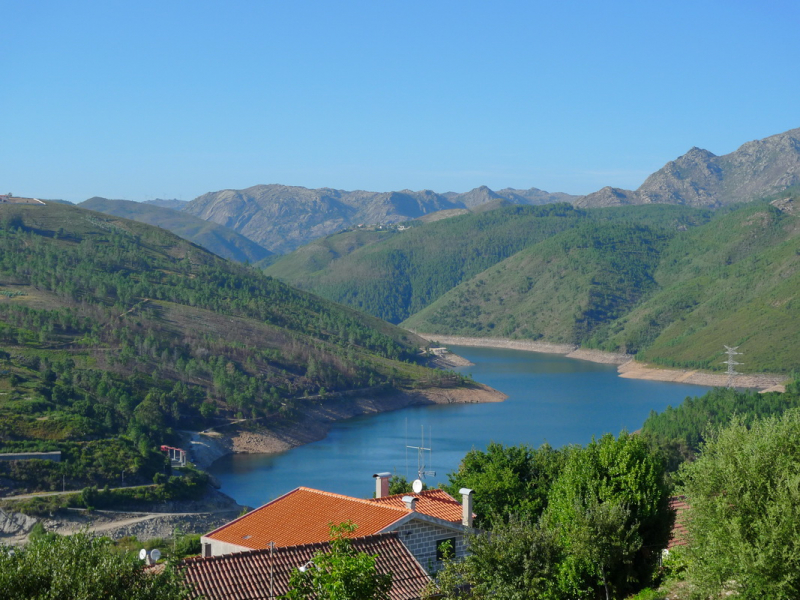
{"x": 508, "y": 480}
{"x": 610, "y": 506}
{"x": 744, "y": 520}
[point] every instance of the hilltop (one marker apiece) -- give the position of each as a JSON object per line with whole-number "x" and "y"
{"x": 215, "y": 238}
{"x": 700, "y": 178}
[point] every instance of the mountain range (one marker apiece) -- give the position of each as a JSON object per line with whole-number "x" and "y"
{"x": 282, "y": 218}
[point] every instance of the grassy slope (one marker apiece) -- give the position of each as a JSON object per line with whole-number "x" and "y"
{"x": 220, "y": 240}
{"x": 673, "y": 297}
{"x": 735, "y": 282}
{"x": 397, "y": 277}
{"x": 560, "y": 289}
{"x": 120, "y": 332}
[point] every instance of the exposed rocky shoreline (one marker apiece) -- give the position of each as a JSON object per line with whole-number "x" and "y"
{"x": 628, "y": 367}
{"x": 163, "y": 521}
{"x": 319, "y": 416}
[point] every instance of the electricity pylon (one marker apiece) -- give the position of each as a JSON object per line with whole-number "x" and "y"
{"x": 731, "y": 352}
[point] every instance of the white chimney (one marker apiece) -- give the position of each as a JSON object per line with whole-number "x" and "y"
{"x": 466, "y": 506}
{"x": 410, "y": 502}
{"x": 382, "y": 484}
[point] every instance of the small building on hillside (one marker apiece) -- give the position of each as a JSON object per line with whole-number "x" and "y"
{"x": 430, "y": 523}
{"x": 264, "y": 574}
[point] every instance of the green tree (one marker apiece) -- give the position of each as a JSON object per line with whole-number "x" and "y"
{"x": 601, "y": 538}
{"x": 516, "y": 561}
{"x": 625, "y": 474}
{"x": 507, "y": 480}
{"x": 744, "y": 520}
{"x": 341, "y": 574}
{"x": 82, "y": 567}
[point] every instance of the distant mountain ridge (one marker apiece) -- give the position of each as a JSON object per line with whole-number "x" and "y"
{"x": 283, "y": 218}
{"x": 172, "y": 203}
{"x": 700, "y": 178}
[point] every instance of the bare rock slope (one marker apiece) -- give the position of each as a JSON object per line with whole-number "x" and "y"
{"x": 700, "y": 178}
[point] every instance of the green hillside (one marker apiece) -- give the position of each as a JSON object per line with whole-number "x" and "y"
{"x": 670, "y": 295}
{"x": 734, "y": 281}
{"x": 396, "y": 277}
{"x": 318, "y": 255}
{"x": 220, "y": 240}
{"x": 115, "y": 334}
{"x": 561, "y": 289}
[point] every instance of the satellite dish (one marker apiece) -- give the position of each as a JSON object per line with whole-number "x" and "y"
{"x": 417, "y": 486}
{"x": 142, "y": 554}
{"x": 155, "y": 554}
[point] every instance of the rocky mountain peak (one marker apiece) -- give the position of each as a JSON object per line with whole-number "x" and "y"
{"x": 701, "y": 178}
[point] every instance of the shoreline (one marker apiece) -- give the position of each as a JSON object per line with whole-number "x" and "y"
{"x": 627, "y": 366}
{"x": 318, "y": 418}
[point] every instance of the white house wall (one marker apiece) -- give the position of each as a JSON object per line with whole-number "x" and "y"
{"x": 219, "y": 548}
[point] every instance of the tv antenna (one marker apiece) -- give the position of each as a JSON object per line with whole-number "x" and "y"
{"x": 731, "y": 362}
{"x": 421, "y": 467}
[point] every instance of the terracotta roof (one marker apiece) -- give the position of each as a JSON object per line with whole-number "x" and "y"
{"x": 679, "y": 536}
{"x": 435, "y": 503}
{"x": 246, "y": 575}
{"x": 303, "y": 516}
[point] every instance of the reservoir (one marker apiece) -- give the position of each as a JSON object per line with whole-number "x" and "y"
{"x": 551, "y": 399}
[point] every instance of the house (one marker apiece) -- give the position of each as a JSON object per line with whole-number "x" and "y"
{"x": 430, "y": 523}
{"x": 264, "y": 574}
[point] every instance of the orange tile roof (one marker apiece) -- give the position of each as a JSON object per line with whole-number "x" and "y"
{"x": 434, "y": 503}
{"x": 679, "y": 536}
{"x": 247, "y": 575}
{"x": 303, "y": 516}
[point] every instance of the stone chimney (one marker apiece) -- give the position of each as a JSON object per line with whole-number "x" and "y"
{"x": 410, "y": 502}
{"x": 466, "y": 506}
{"x": 382, "y": 484}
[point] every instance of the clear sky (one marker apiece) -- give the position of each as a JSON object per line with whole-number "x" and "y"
{"x": 172, "y": 99}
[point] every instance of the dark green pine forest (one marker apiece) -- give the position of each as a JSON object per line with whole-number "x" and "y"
{"x": 116, "y": 335}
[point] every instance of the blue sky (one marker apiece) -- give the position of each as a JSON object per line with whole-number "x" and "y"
{"x": 139, "y": 100}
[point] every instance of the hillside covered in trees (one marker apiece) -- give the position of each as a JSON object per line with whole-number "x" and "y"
{"x": 114, "y": 335}
{"x": 670, "y": 284}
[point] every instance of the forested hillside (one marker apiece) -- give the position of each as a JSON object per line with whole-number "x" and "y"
{"x": 669, "y": 295}
{"x": 734, "y": 281}
{"x": 562, "y": 289}
{"x": 402, "y": 274}
{"x": 114, "y": 334}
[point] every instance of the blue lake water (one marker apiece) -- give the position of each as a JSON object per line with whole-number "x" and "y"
{"x": 550, "y": 399}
